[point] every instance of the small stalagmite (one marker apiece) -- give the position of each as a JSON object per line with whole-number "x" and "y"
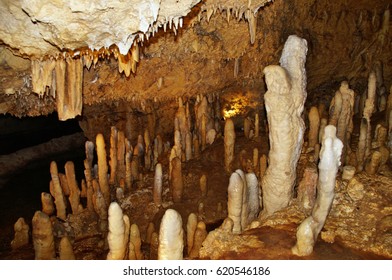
{"x": 116, "y": 235}
{"x": 171, "y": 236}
{"x": 199, "y": 236}
{"x": 361, "y": 150}
{"x": 47, "y": 203}
{"x": 74, "y": 192}
{"x": 113, "y": 155}
{"x": 253, "y": 194}
{"x": 65, "y": 249}
{"x": 229, "y": 142}
{"x": 57, "y": 192}
{"x": 120, "y": 155}
{"x": 246, "y": 127}
{"x": 314, "y": 125}
{"x": 21, "y": 237}
{"x": 373, "y": 164}
{"x": 154, "y": 246}
{"x": 263, "y": 165}
{"x": 149, "y": 232}
{"x": 128, "y": 171}
{"x": 310, "y": 228}
{"x": 190, "y": 231}
{"x": 102, "y": 168}
{"x": 157, "y": 190}
{"x": 203, "y": 185}
{"x": 177, "y": 184}
{"x": 307, "y": 188}
{"x": 234, "y": 204}
{"x": 136, "y": 241}
{"x": 43, "y": 239}
{"x": 256, "y": 168}
{"x": 257, "y": 126}
{"x": 368, "y": 110}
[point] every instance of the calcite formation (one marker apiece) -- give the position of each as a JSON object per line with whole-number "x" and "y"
{"x": 284, "y": 102}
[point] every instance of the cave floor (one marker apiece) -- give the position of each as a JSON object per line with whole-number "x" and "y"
{"x": 354, "y": 229}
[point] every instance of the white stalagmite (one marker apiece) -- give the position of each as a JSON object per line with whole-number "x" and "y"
{"x": 234, "y": 203}
{"x": 229, "y": 142}
{"x": 116, "y": 235}
{"x": 284, "y": 102}
{"x": 157, "y": 190}
{"x": 171, "y": 236}
{"x": 310, "y": 228}
{"x": 102, "y": 168}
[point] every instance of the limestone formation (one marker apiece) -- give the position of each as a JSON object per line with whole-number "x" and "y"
{"x": 171, "y": 236}
{"x": 314, "y": 124}
{"x": 307, "y": 188}
{"x": 310, "y": 228}
{"x": 234, "y": 203}
{"x": 136, "y": 241}
{"x": 199, "y": 236}
{"x": 190, "y": 230}
{"x": 229, "y": 141}
{"x": 284, "y": 102}
{"x": 74, "y": 191}
{"x": 102, "y": 168}
{"x": 203, "y": 185}
{"x": 116, "y": 235}
{"x": 43, "y": 239}
{"x": 21, "y": 234}
{"x": 157, "y": 189}
{"x": 57, "y": 192}
{"x": 65, "y": 249}
{"x": 177, "y": 184}
{"x": 47, "y": 204}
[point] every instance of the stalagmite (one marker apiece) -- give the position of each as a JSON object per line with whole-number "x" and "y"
{"x": 314, "y": 124}
{"x": 177, "y": 184}
{"x": 256, "y": 168}
{"x": 234, "y": 203}
{"x": 253, "y": 196}
{"x": 100, "y": 206}
{"x": 203, "y": 185}
{"x": 284, "y": 102}
{"x": 74, "y": 197}
{"x": 323, "y": 124}
{"x": 120, "y": 155}
{"x": 310, "y": 228}
{"x": 150, "y": 231}
{"x": 374, "y": 163}
{"x": 199, "y": 236}
{"x": 113, "y": 155}
{"x": 229, "y": 142}
{"x": 136, "y": 241}
{"x": 21, "y": 237}
{"x": 157, "y": 190}
{"x": 263, "y": 165}
{"x": 43, "y": 239}
{"x": 65, "y": 249}
{"x": 361, "y": 150}
{"x": 154, "y": 245}
{"x": 368, "y": 111}
{"x": 348, "y": 172}
{"x": 57, "y": 192}
{"x": 246, "y": 127}
{"x": 47, "y": 203}
{"x": 257, "y": 126}
{"x": 203, "y": 134}
{"x": 190, "y": 231}
{"x": 128, "y": 170}
{"x": 116, "y": 235}
{"x": 102, "y": 168}
{"x": 171, "y": 240}
{"x": 307, "y": 188}
{"x": 188, "y": 146}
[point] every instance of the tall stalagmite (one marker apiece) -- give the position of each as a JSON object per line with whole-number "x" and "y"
{"x": 284, "y": 102}
{"x": 310, "y": 228}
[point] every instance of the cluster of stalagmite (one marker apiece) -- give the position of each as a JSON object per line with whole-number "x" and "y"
{"x": 284, "y": 102}
{"x": 310, "y": 228}
{"x": 243, "y": 199}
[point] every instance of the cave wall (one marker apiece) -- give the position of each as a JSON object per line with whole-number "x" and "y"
{"x": 345, "y": 39}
